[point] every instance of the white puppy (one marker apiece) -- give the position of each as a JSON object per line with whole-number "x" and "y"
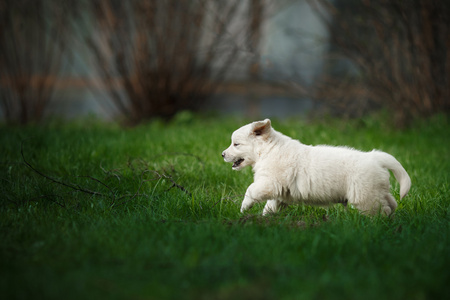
{"x": 287, "y": 171}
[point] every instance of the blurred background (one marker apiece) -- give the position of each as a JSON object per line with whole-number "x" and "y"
{"x": 134, "y": 61}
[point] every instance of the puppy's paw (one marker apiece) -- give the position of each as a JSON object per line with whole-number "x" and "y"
{"x": 246, "y": 205}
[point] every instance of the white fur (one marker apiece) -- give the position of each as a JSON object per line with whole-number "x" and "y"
{"x": 286, "y": 172}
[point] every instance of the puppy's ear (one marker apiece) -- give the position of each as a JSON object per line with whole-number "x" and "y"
{"x": 261, "y": 127}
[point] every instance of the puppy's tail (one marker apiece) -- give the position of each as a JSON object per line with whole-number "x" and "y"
{"x": 389, "y": 162}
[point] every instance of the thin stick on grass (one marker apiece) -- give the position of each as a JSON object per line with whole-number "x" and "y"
{"x": 112, "y": 196}
{"x": 54, "y": 180}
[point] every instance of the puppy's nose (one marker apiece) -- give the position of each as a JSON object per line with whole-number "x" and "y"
{"x": 223, "y": 154}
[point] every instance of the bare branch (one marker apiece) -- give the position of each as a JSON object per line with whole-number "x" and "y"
{"x": 54, "y": 180}
{"x": 113, "y": 199}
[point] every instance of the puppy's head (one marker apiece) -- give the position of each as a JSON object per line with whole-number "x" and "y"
{"x": 245, "y": 144}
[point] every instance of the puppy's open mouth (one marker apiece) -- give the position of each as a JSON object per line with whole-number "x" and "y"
{"x": 238, "y": 162}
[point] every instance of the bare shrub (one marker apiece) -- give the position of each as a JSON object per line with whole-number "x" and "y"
{"x": 31, "y": 53}
{"x": 155, "y": 58}
{"x": 399, "y": 52}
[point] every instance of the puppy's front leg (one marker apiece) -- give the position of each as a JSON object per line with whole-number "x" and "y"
{"x": 272, "y": 206}
{"x": 257, "y": 192}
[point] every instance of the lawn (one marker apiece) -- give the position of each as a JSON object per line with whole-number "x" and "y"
{"x": 91, "y": 210}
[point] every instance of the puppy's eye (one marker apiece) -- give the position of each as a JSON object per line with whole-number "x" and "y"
{"x": 235, "y": 144}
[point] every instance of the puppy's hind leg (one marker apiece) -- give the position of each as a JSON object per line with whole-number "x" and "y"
{"x": 392, "y": 204}
{"x": 385, "y": 205}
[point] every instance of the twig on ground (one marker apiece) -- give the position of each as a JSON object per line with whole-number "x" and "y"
{"x": 71, "y": 186}
{"x": 111, "y": 195}
{"x": 174, "y": 184}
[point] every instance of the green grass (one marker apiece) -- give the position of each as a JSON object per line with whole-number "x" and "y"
{"x": 140, "y": 237}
